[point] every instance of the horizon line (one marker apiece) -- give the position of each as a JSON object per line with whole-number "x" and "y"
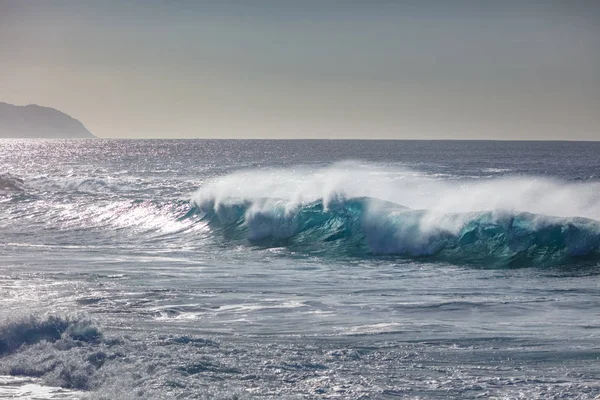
{"x": 314, "y": 139}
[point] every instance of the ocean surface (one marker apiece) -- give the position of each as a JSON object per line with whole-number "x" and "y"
{"x": 140, "y": 269}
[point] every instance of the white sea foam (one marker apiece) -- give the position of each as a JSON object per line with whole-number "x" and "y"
{"x": 26, "y": 388}
{"x": 413, "y": 189}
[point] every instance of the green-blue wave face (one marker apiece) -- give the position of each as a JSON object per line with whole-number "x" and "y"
{"x": 366, "y": 227}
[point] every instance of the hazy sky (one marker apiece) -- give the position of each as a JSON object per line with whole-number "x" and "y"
{"x": 300, "y": 69}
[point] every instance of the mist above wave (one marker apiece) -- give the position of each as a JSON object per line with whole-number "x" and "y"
{"x": 409, "y": 188}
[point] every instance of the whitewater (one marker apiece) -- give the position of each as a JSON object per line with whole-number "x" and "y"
{"x": 145, "y": 269}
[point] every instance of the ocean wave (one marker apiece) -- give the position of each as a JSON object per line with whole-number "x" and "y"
{"x": 367, "y": 210}
{"x": 367, "y": 226}
{"x": 143, "y": 219}
{"x": 72, "y": 352}
{"x": 36, "y": 346}
{"x": 9, "y": 182}
{"x": 35, "y": 329}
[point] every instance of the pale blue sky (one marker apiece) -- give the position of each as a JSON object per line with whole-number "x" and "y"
{"x": 324, "y": 69}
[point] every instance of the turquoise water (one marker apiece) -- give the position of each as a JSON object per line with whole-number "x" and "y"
{"x": 301, "y": 269}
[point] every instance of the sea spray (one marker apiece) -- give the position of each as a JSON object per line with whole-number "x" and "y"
{"x": 414, "y": 189}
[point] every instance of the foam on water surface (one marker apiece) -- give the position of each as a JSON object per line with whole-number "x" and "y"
{"x": 25, "y": 388}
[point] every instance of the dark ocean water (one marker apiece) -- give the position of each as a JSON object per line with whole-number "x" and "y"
{"x": 299, "y": 269}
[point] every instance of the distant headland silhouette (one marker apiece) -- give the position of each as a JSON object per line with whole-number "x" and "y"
{"x": 33, "y": 121}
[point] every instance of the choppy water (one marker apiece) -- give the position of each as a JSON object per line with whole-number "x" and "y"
{"x": 299, "y": 269}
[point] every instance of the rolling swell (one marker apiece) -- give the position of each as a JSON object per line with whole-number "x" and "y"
{"x": 365, "y": 226}
{"x": 10, "y": 182}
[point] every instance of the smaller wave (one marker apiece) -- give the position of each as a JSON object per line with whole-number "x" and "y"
{"x": 35, "y": 329}
{"x": 144, "y": 218}
{"x": 86, "y": 185}
{"x": 71, "y": 352}
{"x": 65, "y": 351}
{"x": 10, "y": 182}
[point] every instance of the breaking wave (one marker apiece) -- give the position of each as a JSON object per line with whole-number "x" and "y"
{"x": 505, "y": 222}
{"x": 71, "y": 352}
{"x": 34, "y": 329}
{"x": 36, "y": 346}
{"x": 364, "y": 226}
